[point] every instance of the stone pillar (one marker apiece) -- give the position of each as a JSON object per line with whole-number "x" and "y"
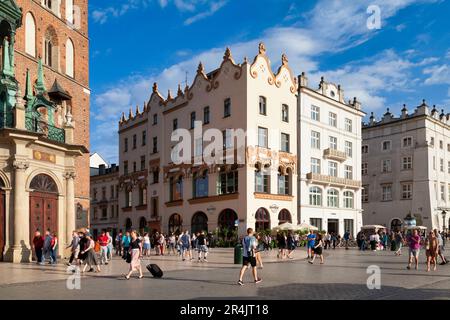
{"x": 19, "y": 112}
{"x": 20, "y": 249}
{"x": 70, "y": 205}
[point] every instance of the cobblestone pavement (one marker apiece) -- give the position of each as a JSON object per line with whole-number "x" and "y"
{"x": 343, "y": 276}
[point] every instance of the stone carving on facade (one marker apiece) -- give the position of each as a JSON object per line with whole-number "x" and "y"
{"x": 21, "y": 165}
{"x": 69, "y": 175}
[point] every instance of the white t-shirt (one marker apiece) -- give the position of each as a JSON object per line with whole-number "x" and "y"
{"x": 146, "y": 239}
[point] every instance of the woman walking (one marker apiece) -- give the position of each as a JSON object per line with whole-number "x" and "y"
{"x": 136, "y": 253}
{"x": 318, "y": 249}
{"x": 146, "y": 246}
{"x": 414, "y": 249}
{"x": 290, "y": 244}
{"x": 432, "y": 247}
{"x": 281, "y": 239}
{"x": 89, "y": 255}
{"x": 172, "y": 242}
{"x": 258, "y": 250}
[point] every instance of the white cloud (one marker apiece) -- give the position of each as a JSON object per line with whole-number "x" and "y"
{"x": 400, "y": 27}
{"x": 214, "y": 7}
{"x": 103, "y": 14}
{"x": 438, "y": 74}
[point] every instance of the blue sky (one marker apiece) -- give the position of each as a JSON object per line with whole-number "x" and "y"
{"x": 137, "y": 42}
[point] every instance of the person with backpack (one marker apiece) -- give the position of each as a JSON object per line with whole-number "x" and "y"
{"x": 249, "y": 248}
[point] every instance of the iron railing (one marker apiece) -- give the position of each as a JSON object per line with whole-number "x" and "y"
{"x": 49, "y": 131}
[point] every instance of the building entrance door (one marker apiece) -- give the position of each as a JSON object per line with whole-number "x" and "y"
{"x": 43, "y": 213}
{"x": 333, "y": 226}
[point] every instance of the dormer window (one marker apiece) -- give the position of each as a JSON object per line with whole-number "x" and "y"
{"x": 332, "y": 94}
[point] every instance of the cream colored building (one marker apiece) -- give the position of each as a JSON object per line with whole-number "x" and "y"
{"x": 329, "y": 149}
{"x": 258, "y": 190}
{"x": 104, "y": 213}
{"x": 406, "y": 168}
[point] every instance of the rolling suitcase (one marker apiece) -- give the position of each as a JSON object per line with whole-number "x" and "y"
{"x": 155, "y": 270}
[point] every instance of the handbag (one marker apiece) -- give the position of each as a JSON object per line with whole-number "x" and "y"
{"x": 128, "y": 258}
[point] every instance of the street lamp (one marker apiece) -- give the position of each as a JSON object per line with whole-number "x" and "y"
{"x": 443, "y": 219}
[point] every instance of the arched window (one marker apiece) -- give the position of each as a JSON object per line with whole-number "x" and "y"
{"x": 262, "y": 105}
{"x": 175, "y": 223}
{"x": 43, "y": 183}
{"x": 262, "y": 218}
{"x": 199, "y": 222}
{"x": 69, "y": 58}
{"x": 51, "y": 53}
{"x": 227, "y": 219}
{"x": 333, "y": 198}
{"x": 30, "y": 35}
{"x": 348, "y": 199}
{"x": 315, "y": 196}
{"x": 284, "y": 216}
{"x": 200, "y": 184}
{"x": 69, "y": 11}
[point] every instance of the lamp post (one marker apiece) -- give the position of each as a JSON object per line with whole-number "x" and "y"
{"x": 444, "y": 213}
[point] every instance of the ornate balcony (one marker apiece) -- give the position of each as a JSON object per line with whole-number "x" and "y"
{"x": 49, "y": 131}
{"x": 334, "y": 155}
{"x": 333, "y": 181}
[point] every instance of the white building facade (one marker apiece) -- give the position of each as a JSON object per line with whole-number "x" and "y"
{"x": 406, "y": 168}
{"x": 329, "y": 149}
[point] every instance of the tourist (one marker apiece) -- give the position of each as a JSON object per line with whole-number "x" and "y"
{"x": 83, "y": 244}
{"x": 172, "y": 241}
{"x": 362, "y": 241}
{"x": 327, "y": 241}
{"x": 38, "y": 245}
{"x": 110, "y": 246}
{"x": 119, "y": 244}
{"x": 202, "y": 246}
{"x": 311, "y": 238}
{"x": 281, "y": 240}
{"x": 432, "y": 247}
{"x": 89, "y": 255}
{"x": 185, "y": 243}
{"x": 385, "y": 240}
{"x": 346, "y": 239}
{"x": 318, "y": 250}
{"x": 54, "y": 248}
{"x": 334, "y": 239}
{"x": 259, "y": 249}
{"x": 74, "y": 248}
{"x": 414, "y": 249}
{"x": 136, "y": 253}
{"x": 374, "y": 239}
{"x": 146, "y": 245}
{"x": 161, "y": 243}
{"x": 126, "y": 243}
{"x": 441, "y": 249}
{"x": 398, "y": 243}
{"x": 47, "y": 249}
{"x": 290, "y": 243}
{"x": 249, "y": 247}
{"x": 103, "y": 242}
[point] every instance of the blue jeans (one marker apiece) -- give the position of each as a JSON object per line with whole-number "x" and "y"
{"x": 53, "y": 256}
{"x": 39, "y": 256}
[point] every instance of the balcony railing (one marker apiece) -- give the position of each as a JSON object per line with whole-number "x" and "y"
{"x": 49, "y": 131}
{"x": 333, "y": 181}
{"x": 335, "y": 154}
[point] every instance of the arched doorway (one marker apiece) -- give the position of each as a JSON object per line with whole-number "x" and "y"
{"x": 128, "y": 224}
{"x": 2, "y": 219}
{"x": 262, "y": 218}
{"x": 227, "y": 219}
{"x": 199, "y": 222}
{"x": 284, "y": 216}
{"x": 175, "y": 223}
{"x": 142, "y": 225}
{"x": 396, "y": 225}
{"x": 43, "y": 205}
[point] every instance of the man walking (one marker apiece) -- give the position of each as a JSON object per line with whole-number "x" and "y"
{"x": 38, "y": 244}
{"x": 414, "y": 249}
{"x": 185, "y": 242}
{"x": 346, "y": 239}
{"x": 440, "y": 247}
{"x": 47, "y": 249}
{"x": 249, "y": 244}
{"x": 311, "y": 241}
{"x": 103, "y": 241}
{"x": 74, "y": 248}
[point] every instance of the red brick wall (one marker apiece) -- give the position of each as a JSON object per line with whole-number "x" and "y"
{"x": 80, "y": 100}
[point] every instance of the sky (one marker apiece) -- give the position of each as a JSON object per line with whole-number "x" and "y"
{"x": 133, "y": 43}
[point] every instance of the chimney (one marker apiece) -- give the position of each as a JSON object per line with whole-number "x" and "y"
{"x": 102, "y": 169}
